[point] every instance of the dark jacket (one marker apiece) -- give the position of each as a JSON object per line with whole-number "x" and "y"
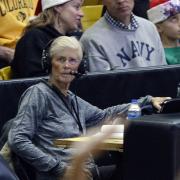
{"x": 28, "y": 52}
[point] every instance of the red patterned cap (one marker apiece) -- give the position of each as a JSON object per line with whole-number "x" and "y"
{"x": 154, "y": 3}
{"x": 163, "y": 9}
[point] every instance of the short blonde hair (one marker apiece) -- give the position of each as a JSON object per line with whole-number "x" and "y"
{"x": 62, "y": 42}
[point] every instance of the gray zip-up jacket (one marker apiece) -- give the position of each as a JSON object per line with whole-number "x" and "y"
{"x": 43, "y": 117}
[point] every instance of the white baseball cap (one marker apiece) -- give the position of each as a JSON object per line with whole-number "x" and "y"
{"x": 45, "y": 4}
{"x": 162, "y": 10}
{"x": 50, "y": 3}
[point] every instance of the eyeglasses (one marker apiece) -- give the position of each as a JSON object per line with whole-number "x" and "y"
{"x": 70, "y": 61}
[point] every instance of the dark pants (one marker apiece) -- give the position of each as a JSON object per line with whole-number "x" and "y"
{"x": 109, "y": 167}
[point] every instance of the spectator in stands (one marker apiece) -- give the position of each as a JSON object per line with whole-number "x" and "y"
{"x": 165, "y": 14}
{"x": 13, "y": 18}
{"x": 57, "y": 18}
{"x": 121, "y": 40}
{"x": 48, "y": 110}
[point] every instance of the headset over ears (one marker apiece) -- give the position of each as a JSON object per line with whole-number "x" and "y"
{"x": 45, "y": 59}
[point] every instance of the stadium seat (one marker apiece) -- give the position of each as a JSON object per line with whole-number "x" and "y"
{"x": 90, "y": 2}
{"x": 99, "y": 1}
{"x": 91, "y": 15}
{"x": 5, "y": 73}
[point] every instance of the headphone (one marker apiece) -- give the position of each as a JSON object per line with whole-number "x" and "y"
{"x": 45, "y": 58}
{"x": 46, "y": 61}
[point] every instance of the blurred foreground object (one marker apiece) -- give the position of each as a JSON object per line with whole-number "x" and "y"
{"x": 77, "y": 169}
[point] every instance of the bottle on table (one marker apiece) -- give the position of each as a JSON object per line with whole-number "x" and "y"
{"x": 134, "y": 110}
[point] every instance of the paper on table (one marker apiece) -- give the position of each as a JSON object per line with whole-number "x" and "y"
{"x": 117, "y": 135}
{"x": 113, "y": 135}
{"x": 118, "y": 131}
{"x": 117, "y": 128}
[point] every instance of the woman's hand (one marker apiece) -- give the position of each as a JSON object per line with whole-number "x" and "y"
{"x": 157, "y": 101}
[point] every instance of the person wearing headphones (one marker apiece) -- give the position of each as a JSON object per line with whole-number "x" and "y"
{"x": 49, "y": 111}
{"x": 58, "y": 17}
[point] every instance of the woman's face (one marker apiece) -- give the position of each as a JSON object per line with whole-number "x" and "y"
{"x": 70, "y": 15}
{"x": 63, "y": 64}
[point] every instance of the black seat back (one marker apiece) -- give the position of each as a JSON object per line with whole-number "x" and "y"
{"x": 101, "y": 89}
